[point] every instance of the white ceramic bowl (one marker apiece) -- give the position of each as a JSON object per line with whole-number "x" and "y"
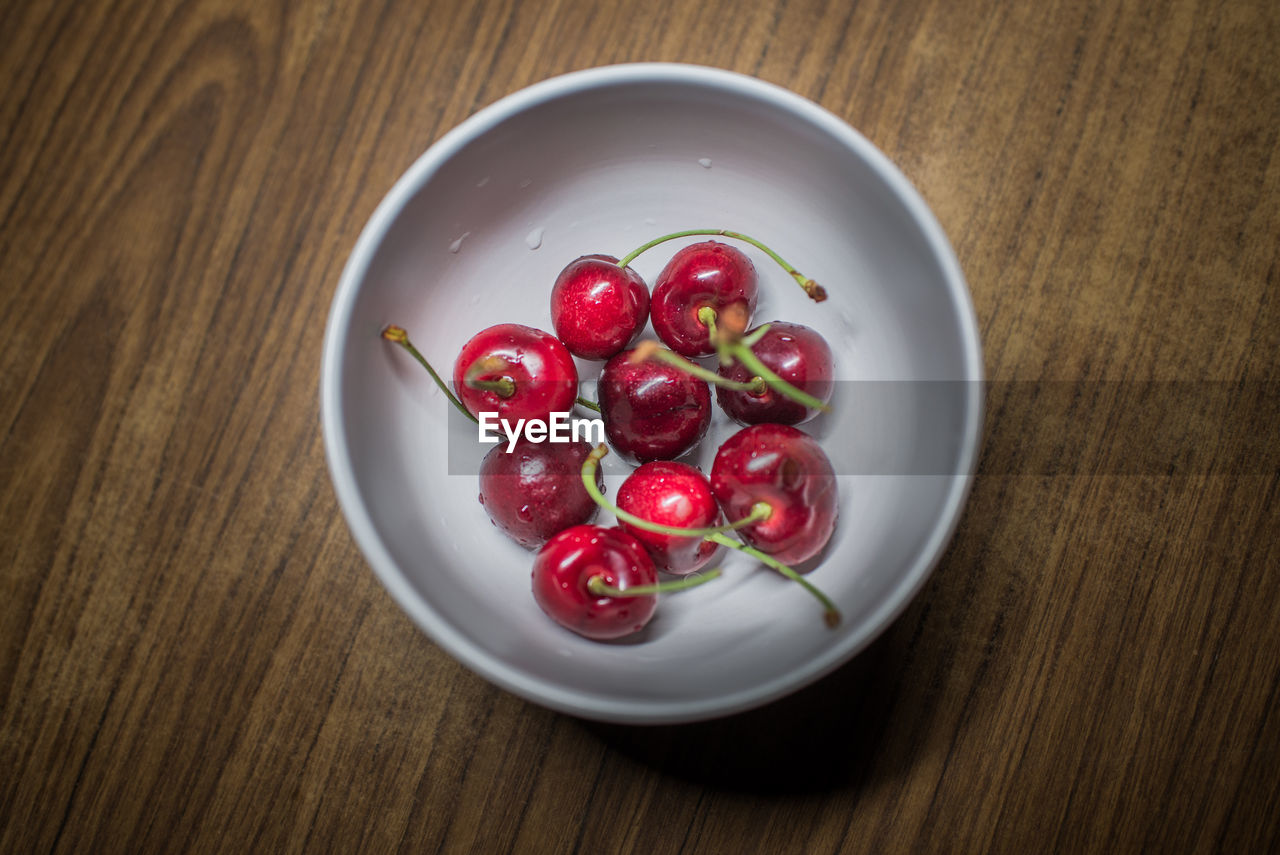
{"x": 601, "y": 161}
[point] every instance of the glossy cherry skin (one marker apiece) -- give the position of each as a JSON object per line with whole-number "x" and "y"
{"x": 597, "y": 307}
{"x": 545, "y": 377}
{"x": 797, "y": 354}
{"x": 535, "y": 490}
{"x": 703, "y": 274}
{"x": 652, "y": 410}
{"x": 786, "y": 468}
{"x": 676, "y": 494}
{"x": 567, "y": 562}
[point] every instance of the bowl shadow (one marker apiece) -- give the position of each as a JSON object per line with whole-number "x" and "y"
{"x": 829, "y": 735}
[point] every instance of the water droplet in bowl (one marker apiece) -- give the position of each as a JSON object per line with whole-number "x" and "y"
{"x": 483, "y": 181}
{"x": 457, "y": 244}
{"x": 525, "y": 183}
{"x": 534, "y": 238}
{"x": 704, "y": 162}
{"x": 846, "y": 321}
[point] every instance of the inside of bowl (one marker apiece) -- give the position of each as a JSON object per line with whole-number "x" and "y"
{"x": 481, "y": 232}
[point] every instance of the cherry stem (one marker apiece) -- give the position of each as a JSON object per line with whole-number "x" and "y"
{"x": 739, "y": 349}
{"x": 760, "y": 511}
{"x": 831, "y": 616}
{"x": 815, "y": 291}
{"x": 598, "y": 586}
{"x": 397, "y": 335}
{"x": 503, "y": 387}
{"x": 651, "y": 350}
{"x": 590, "y": 405}
{"x": 753, "y": 364}
{"x": 754, "y": 338}
{"x": 708, "y": 317}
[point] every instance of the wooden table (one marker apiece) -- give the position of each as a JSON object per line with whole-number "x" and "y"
{"x": 196, "y": 658}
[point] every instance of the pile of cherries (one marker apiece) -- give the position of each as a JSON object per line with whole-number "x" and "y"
{"x": 771, "y": 484}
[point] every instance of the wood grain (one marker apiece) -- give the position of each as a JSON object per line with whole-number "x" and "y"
{"x": 195, "y": 657}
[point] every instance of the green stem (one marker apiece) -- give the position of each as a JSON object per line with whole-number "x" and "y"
{"x": 503, "y": 387}
{"x": 815, "y": 291}
{"x": 759, "y": 512}
{"x": 708, "y": 317}
{"x": 754, "y": 337}
{"x": 730, "y": 349}
{"x": 753, "y": 364}
{"x": 398, "y": 336}
{"x": 755, "y": 386}
{"x": 598, "y": 586}
{"x": 590, "y": 405}
{"x": 832, "y": 614}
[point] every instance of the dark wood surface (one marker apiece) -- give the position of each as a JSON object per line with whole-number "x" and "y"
{"x": 196, "y": 658}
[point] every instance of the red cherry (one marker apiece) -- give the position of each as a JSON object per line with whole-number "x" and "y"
{"x": 652, "y": 410}
{"x": 597, "y": 307}
{"x": 674, "y": 494}
{"x": 704, "y": 275}
{"x": 797, "y": 354}
{"x": 517, "y": 372}
{"x": 536, "y": 490}
{"x": 786, "y": 469}
{"x": 564, "y": 567}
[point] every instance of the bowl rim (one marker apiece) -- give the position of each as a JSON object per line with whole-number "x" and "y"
{"x": 377, "y": 555}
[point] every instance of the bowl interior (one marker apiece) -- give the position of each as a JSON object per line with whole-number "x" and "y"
{"x": 475, "y": 233}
